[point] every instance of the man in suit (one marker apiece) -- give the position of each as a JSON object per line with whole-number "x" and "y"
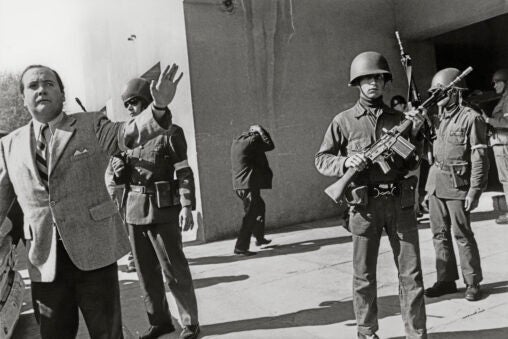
{"x": 156, "y": 208}
{"x": 55, "y": 167}
{"x": 251, "y": 173}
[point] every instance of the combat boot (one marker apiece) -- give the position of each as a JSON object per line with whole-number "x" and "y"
{"x": 502, "y": 219}
{"x": 441, "y": 288}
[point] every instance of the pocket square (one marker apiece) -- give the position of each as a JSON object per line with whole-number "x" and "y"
{"x": 78, "y": 152}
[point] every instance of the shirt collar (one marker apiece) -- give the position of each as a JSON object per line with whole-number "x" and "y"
{"x": 360, "y": 110}
{"x": 38, "y": 125}
{"x": 450, "y": 113}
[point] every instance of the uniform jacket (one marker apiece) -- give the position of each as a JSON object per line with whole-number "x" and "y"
{"x": 499, "y": 121}
{"x": 350, "y": 132}
{"x": 77, "y": 202}
{"x": 461, "y": 143}
{"x": 158, "y": 160}
{"x": 249, "y": 163}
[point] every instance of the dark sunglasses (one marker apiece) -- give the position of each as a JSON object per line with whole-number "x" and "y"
{"x": 132, "y": 102}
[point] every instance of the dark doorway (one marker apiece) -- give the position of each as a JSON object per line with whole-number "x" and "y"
{"x": 484, "y": 46}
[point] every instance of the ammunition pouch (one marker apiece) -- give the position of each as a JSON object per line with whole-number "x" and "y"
{"x": 166, "y": 193}
{"x": 459, "y": 172}
{"x": 408, "y": 187}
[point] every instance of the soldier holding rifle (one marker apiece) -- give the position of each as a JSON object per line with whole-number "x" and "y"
{"x": 379, "y": 196}
{"x": 454, "y": 185}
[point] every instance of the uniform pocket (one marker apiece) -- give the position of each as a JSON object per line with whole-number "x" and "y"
{"x": 457, "y": 137}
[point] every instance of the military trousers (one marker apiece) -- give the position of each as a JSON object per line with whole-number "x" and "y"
{"x": 366, "y": 225}
{"x": 157, "y": 250}
{"x": 447, "y": 216}
{"x": 501, "y": 158}
{"x": 253, "y": 221}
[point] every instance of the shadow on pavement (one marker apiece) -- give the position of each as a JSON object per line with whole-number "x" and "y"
{"x": 272, "y": 250}
{"x": 207, "y": 282}
{"x": 331, "y": 312}
{"x": 491, "y": 333}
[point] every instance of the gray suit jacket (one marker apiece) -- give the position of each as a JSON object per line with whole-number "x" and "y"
{"x": 77, "y": 202}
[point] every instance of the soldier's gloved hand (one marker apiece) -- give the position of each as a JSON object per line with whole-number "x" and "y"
{"x": 418, "y": 119}
{"x": 356, "y": 161}
{"x": 118, "y": 166}
{"x": 185, "y": 218}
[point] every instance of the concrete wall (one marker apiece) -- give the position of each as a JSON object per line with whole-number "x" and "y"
{"x": 419, "y": 19}
{"x": 108, "y": 59}
{"x": 285, "y": 65}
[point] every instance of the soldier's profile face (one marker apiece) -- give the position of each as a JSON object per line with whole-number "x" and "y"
{"x": 372, "y": 85}
{"x": 499, "y": 86}
{"x": 42, "y": 94}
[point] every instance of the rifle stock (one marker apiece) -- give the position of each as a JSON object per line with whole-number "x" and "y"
{"x": 337, "y": 189}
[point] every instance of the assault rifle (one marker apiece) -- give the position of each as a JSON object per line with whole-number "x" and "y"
{"x": 414, "y": 98}
{"x": 392, "y": 141}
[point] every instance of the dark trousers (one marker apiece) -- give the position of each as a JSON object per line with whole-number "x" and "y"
{"x": 366, "y": 225}
{"x": 159, "y": 247}
{"x": 446, "y": 216}
{"x": 253, "y": 221}
{"x": 96, "y": 293}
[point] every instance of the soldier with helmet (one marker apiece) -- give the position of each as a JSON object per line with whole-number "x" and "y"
{"x": 454, "y": 185}
{"x": 156, "y": 208}
{"x": 499, "y": 140}
{"x": 377, "y": 201}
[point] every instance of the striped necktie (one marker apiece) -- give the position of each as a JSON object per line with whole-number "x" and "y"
{"x": 40, "y": 155}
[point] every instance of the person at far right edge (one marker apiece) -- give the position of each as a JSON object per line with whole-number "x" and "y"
{"x": 454, "y": 184}
{"x": 499, "y": 140}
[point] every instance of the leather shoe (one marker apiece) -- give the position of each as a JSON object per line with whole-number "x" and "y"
{"x": 473, "y": 292}
{"x": 156, "y": 331}
{"x": 262, "y": 242}
{"x": 502, "y": 219}
{"x": 246, "y": 253}
{"x": 441, "y": 288}
{"x": 190, "y": 332}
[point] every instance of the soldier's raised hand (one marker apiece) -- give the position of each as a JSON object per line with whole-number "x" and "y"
{"x": 163, "y": 90}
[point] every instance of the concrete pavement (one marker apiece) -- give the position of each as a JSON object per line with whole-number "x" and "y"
{"x": 300, "y": 286}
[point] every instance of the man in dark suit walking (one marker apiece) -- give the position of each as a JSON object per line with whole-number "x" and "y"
{"x": 251, "y": 173}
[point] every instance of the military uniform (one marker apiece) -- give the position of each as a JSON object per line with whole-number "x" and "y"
{"x": 151, "y": 204}
{"x": 499, "y": 139}
{"x": 386, "y": 202}
{"x": 459, "y": 171}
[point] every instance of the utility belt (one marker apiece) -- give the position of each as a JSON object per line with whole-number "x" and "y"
{"x": 165, "y": 192}
{"x": 459, "y": 172}
{"x": 378, "y": 190}
{"x": 442, "y": 166}
{"x": 405, "y": 189}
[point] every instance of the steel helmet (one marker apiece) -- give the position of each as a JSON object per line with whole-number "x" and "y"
{"x": 500, "y": 75}
{"x": 444, "y": 77}
{"x": 137, "y": 88}
{"x": 367, "y": 63}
